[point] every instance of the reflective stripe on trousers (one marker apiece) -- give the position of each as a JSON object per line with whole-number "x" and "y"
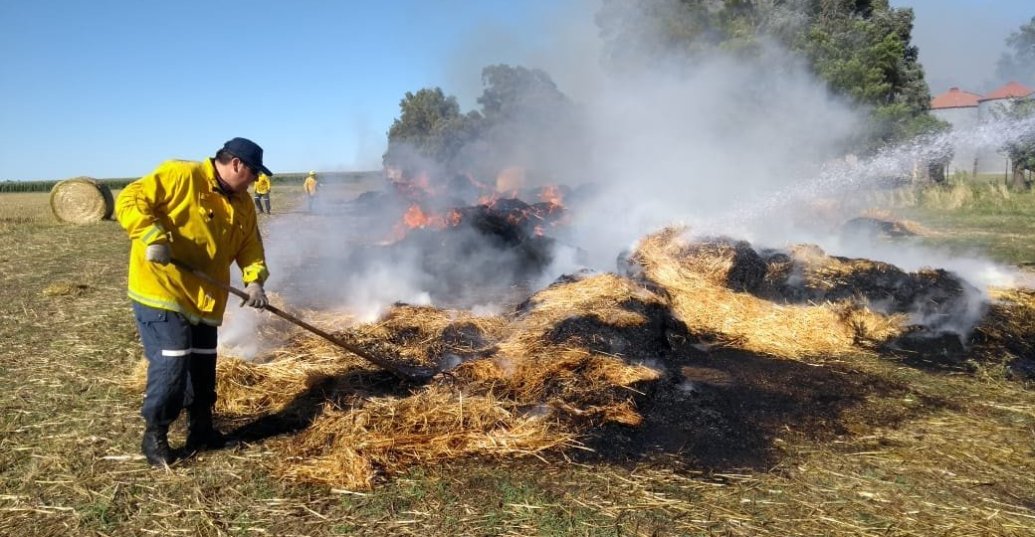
{"x": 181, "y": 364}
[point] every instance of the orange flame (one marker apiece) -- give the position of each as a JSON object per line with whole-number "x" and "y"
{"x": 551, "y": 194}
{"x": 415, "y": 217}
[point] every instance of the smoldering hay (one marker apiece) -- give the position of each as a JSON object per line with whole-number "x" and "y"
{"x": 584, "y": 353}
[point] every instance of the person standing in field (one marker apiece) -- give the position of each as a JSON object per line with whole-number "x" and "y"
{"x": 309, "y": 186}
{"x": 198, "y": 214}
{"x": 263, "y": 186}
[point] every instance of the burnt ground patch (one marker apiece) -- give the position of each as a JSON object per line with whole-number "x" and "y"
{"x": 724, "y": 412}
{"x": 930, "y": 350}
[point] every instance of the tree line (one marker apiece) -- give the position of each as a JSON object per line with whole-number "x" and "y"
{"x": 861, "y": 49}
{"x": 521, "y": 115}
{"x": 45, "y": 186}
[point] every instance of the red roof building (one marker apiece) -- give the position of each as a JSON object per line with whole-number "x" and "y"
{"x": 967, "y": 111}
{"x": 955, "y": 98}
{"x": 1012, "y": 90}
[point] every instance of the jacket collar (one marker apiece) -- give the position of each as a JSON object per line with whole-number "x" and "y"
{"x": 209, "y": 168}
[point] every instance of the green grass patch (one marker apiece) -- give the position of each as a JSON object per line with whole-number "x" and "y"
{"x": 972, "y": 218}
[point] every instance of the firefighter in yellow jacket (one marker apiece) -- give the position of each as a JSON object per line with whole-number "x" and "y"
{"x": 200, "y": 214}
{"x": 262, "y": 192}
{"x": 310, "y": 189}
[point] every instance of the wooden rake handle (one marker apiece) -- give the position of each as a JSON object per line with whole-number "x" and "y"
{"x": 404, "y": 372}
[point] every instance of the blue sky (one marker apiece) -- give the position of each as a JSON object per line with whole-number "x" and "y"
{"x": 110, "y": 88}
{"x": 961, "y": 40}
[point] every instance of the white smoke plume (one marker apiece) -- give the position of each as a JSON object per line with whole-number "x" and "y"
{"x": 731, "y": 146}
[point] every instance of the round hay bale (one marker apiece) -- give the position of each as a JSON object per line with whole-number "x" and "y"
{"x": 81, "y": 200}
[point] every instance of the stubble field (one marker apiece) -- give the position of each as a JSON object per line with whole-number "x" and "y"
{"x": 910, "y": 451}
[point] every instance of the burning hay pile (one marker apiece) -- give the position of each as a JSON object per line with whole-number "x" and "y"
{"x": 464, "y": 252}
{"x": 711, "y": 286}
{"x": 587, "y": 352}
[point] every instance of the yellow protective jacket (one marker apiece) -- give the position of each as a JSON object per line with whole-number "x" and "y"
{"x": 310, "y": 185}
{"x": 262, "y": 184}
{"x": 180, "y": 203}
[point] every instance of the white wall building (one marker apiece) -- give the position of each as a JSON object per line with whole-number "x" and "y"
{"x": 965, "y": 110}
{"x": 960, "y": 109}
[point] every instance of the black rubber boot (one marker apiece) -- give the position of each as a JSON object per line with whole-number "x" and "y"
{"x": 156, "y": 446}
{"x": 200, "y": 432}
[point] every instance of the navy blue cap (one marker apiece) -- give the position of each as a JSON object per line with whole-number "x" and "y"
{"x": 249, "y": 152}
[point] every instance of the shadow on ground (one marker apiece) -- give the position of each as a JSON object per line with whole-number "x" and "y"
{"x": 307, "y": 406}
{"x": 725, "y": 409}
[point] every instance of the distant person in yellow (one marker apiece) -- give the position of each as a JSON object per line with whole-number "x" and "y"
{"x": 262, "y": 192}
{"x": 309, "y": 186}
{"x": 199, "y": 214}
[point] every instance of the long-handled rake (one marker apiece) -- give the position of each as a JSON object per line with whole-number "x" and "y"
{"x": 405, "y": 372}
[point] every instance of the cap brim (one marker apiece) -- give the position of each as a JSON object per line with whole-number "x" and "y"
{"x": 261, "y": 168}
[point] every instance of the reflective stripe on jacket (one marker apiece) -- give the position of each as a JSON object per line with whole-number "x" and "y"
{"x": 180, "y": 203}
{"x": 310, "y": 185}
{"x": 262, "y": 184}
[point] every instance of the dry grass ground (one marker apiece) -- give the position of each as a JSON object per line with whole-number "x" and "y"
{"x": 856, "y": 445}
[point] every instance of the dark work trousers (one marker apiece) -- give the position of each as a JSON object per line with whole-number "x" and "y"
{"x": 259, "y": 198}
{"x": 181, "y": 364}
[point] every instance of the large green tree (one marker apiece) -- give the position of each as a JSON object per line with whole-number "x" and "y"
{"x": 516, "y": 91}
{"x": 524, "y": 120}
{"x": 1018, "y": 63}
{"x": 862, "y": 49}
{"x": 529, "y": 122}
{"x": 430, "y": 125}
